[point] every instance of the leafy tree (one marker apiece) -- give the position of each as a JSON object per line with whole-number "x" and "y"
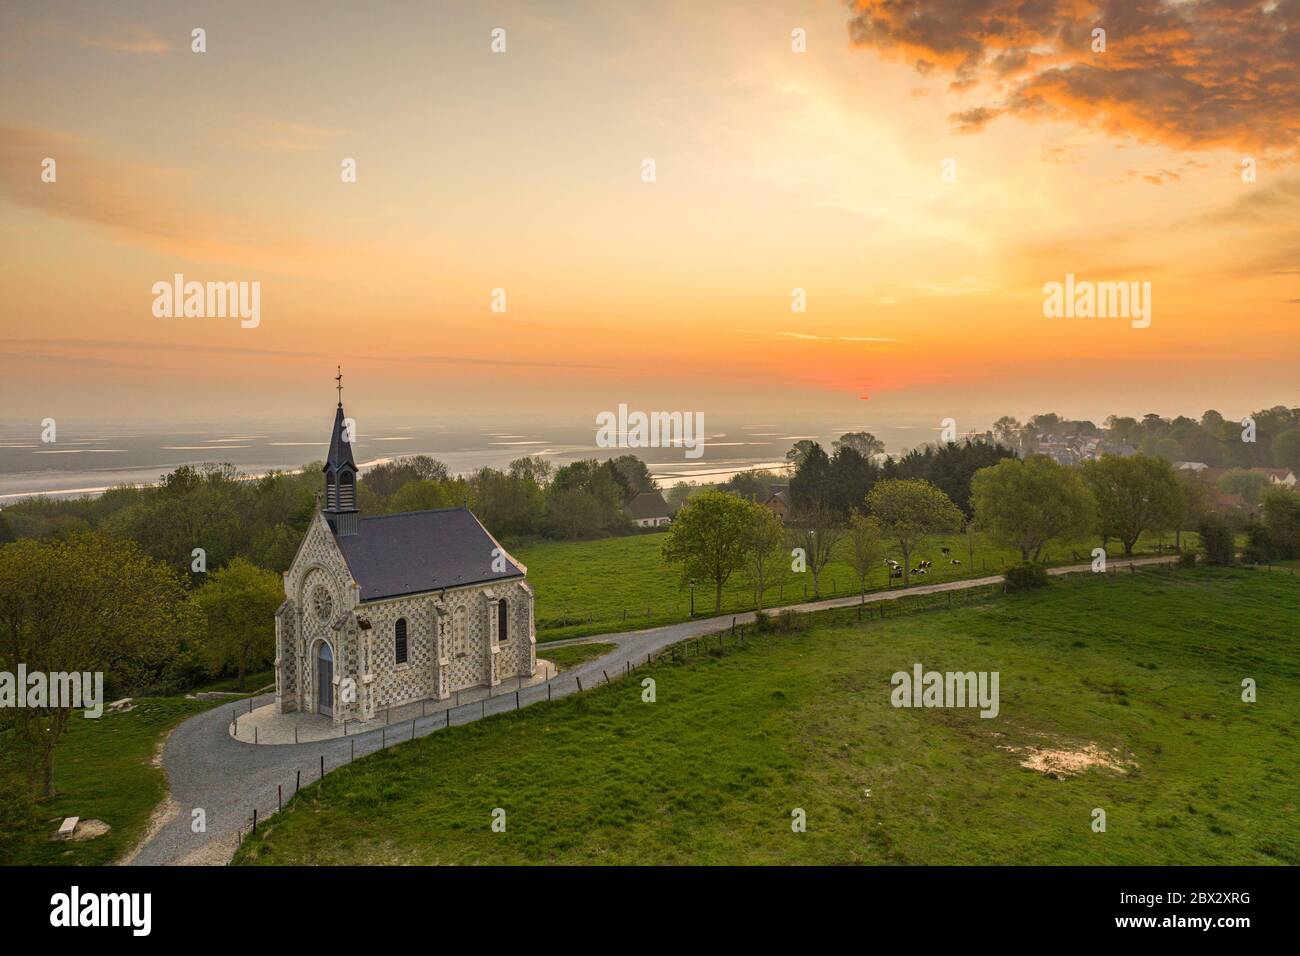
{"x": 87, "y": 603}
{"x": 634, "y": 474}
{"x": 1286, "y": 449}
{"x": 950, "y": 467}
{"x": 682, "y": 492}
{"x": 1216, "y": 539}
{"x": 851, "y": 476}
{"x": 1249, "y": 484}
{"x": 1133, "y": 495}
{"x": 1026, "y": 503}
{"x": 864, "y": 443}
{"x": 1259, "y": 548}
{"x": 709, "y": 538}
{"x": 425, "y": 495}
{"x": 810, "y": 486}
{"x": 1006, "y": 431}
{"x": 816, "y": 531}
{"x": 535, "y": 468}
{"x": 909, "y": 510}
{"x": 764, "y": 549}
{"x": 239, "y": 602}
{"x": 866, "y": 546}
{"x": 506, "y": 505}
{"x": 275, "y": 548}
{"x": 384, "y": 480}
{"x": 1168, "y": 449}
{"x": 1281, "y": 518}
{"x": 605, "y": 488}
{"x": 752, "y": 485}
{"x": 798, "y": 450}
{"x": 574, "y": 513}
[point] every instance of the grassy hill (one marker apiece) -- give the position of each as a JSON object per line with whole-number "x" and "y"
{"x": 104, "y": 770}
{"x": 1144, "y": 669}
{"x": 593, "y": 587}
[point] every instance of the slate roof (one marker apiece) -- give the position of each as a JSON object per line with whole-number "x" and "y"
{"x": 419, "y": 551}
{"x": 648, "y": 504}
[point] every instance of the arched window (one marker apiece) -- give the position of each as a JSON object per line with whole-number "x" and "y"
{"x": 503, "y": 622}
{"x": 399, "y": 643}
{"x": 459, "y": 632}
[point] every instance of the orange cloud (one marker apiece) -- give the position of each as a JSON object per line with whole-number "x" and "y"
{"x": 1189, "y": 75}
{"x": 135, "y": 42}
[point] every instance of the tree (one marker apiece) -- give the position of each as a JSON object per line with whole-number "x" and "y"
{"x": 810, "y": 485}
{"x": 605, "y": 491}
{"x": 764, "y": 549}
{"x": 1286, "y": 449}
{"x": 1134, "y": 495}
{"x": 864, "y": 443}
{"x": 682, "y": 492}
{"x": 1006, "y": 431}
{"x": 506, "y": 505}
{"x": 910, "y": 510}
{"x": 709, "y": 538}
{"x": 1281, "y": 518}
{"x": 573, "y": 513}
{"x": 815, "y": 531}
{"x": 428, "y": 494}
{"x": 951, "y": 466}
{"x": 798, "y": 450}
{"x": 1026, "y": 503}
{"x": 1249, "y": 484}
{"x": 239, "y": 602}
{"x": 384, "y": 480}
{"x": 867, "y": 547}
{"x": 87, "y": 604}
{"x": 1216, "y": 539}
{"x": 752, "y": 485}
{"x": 635, "y": 475}
{"x": 533, "y": 467}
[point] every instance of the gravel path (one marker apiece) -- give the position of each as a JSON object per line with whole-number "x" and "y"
{"x": 209, "y": 770}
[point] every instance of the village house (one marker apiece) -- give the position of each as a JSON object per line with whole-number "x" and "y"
{"x": 778, "y": 501}
{"x": 1277, "y": 476}
{"x": 648, "y": 510}
{"x": 387, "y": 609}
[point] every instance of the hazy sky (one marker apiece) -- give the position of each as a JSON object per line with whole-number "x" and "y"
{"x": 522, "y": 170}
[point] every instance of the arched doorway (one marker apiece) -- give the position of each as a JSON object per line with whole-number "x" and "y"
{"x": 325, "y": 680}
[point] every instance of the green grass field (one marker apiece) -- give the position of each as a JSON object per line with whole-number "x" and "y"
{"x": 1147, "y": 667}
{"x": 621, "y": 584}
{"x": 103, "y": 770}
{"x": 571, "y": 655}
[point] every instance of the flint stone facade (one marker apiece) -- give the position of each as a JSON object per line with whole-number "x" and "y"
{"x": 464, "y": 603}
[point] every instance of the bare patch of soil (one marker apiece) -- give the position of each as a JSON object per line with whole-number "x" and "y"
{"x": 1060, "y": 762}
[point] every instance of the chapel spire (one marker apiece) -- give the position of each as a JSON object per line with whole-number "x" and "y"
{"x": 341, "y": 473}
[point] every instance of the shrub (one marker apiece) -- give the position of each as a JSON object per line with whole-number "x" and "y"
{"x": 1216, "y": 539}
{"x": 788, "y": 620}
{"x": 1281, "y": 515}
{"x": 762, "y": 621}
{"x": 1187, "y": 559}
{"x": 1025, "y": 576}
{"x": 1258, "y": 548}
